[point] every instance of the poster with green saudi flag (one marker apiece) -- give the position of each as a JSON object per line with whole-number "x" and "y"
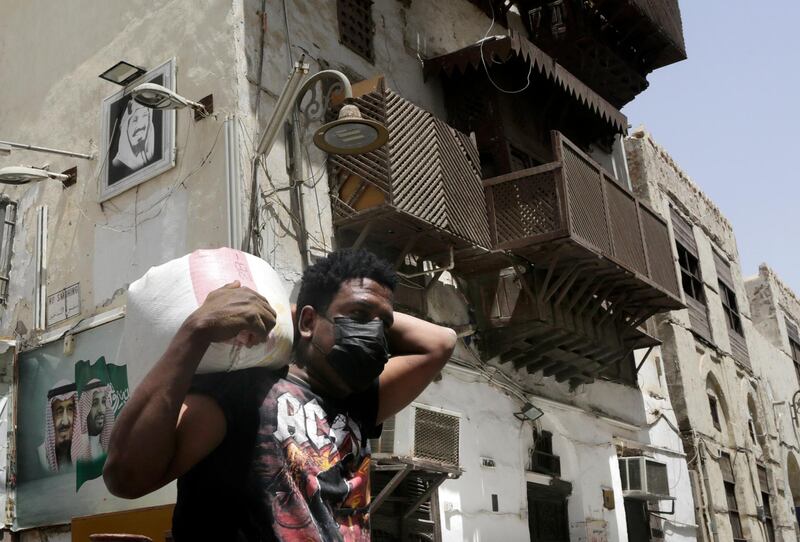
{"x": 68, "y": 402}
{"x": 102, "y": 390}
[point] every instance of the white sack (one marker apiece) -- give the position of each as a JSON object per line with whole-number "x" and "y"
{"x": 160, "y": 301}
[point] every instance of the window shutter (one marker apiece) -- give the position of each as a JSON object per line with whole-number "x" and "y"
{"x": 683, "y": 232}
{"x": 791, "y": 330}
{"x": 727, "y": 469}
{"x": 762, "y": 478}
{"x": 723, "y": 270}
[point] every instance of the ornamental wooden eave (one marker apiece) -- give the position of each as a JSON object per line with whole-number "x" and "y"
{"x": 501, "y": 49}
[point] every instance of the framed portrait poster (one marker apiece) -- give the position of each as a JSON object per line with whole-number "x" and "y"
{"x": 139, "y": 142}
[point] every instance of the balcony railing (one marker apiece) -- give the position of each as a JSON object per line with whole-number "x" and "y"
{"x": 571, "y": 215}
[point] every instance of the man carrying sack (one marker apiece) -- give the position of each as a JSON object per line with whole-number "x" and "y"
{"x": 278, "y": 455}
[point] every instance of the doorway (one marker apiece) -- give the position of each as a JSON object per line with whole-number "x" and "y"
{"x": 547, "y": 514}
{"x": 637, "y": 520}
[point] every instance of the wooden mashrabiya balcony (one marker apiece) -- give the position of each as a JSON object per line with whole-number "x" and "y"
{"x": 571, "y": 217}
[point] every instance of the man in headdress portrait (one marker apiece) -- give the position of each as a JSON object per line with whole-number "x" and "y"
{"x": 136, "y": 137}
{"x": 95, "y": 420}
{"x": 56, "y": 450}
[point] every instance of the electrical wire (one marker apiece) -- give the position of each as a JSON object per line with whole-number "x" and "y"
{"x": 164, "y": 198}
{"x": 288, "y": 34}
{"x": 486, "y": 68}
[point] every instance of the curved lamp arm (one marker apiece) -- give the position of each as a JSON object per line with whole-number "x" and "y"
{"x": 325, "y": 74}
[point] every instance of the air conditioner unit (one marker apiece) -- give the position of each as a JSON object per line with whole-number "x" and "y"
{"x": 644, "y": 478}
{"x": 422, "y": 433}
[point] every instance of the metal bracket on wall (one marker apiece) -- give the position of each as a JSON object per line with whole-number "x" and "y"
{"x": 393, "y": 483}
{"x": 434, "y": 271}
{"x": 646, "y": 355}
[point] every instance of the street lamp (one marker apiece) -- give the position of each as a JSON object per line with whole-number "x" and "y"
{"x": 17, "y": 175}
{"x": 7, "y": 146}
{"x": 160, "y": 97}
{"x": 350, "y": 134}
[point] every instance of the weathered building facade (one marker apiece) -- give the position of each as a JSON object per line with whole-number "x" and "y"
{"x": 774, "y": 312}
{"x": 503, "y": 196}
{"x": 728, "y": 362}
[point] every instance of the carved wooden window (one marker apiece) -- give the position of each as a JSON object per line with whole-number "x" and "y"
{"x": 691, "y": 277}
{"x": 794, "y": 346}
{"x": 730, "y": 495}
{"x": 795, "y": 356}
{"x": 558, "y": 17}
{"x": 765, "y": 502}
{"x": 731, "y": 308}
{"x": 690, "y": 274}
{"x": 356, "y": 29}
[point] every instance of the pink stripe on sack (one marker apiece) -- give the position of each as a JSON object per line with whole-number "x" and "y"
{"x": 212, "y": 269}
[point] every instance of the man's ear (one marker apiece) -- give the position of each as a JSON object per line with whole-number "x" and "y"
{"x": 306, "y": 320}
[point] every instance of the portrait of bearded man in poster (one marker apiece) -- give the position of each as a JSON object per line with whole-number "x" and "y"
{"x": 56, "y": 452}
{"x": 136, "y": 138}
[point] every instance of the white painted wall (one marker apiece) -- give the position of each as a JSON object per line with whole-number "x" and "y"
{"x": 586, "y": 443}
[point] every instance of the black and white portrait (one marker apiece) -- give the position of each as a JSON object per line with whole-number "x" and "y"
{"x": 139, "y": 141}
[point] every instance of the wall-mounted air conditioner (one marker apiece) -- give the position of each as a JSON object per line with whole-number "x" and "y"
{"x": 421, "y": 433}
{"x": 644, "y": 478}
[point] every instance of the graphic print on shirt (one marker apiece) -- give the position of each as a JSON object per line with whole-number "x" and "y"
{"x": 317, "y": 471}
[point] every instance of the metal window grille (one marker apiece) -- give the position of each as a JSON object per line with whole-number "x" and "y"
{"x": 657, "y": 481}
{"x": 436, "y": 436}
{"x": 8, "y": 217}
{"x": 543, "y": 460}
{"x": 356, "y": 28}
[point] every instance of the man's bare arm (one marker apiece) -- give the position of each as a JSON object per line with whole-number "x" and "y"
{"x": 421, "y": 350}
{"x": 161, "y": 433}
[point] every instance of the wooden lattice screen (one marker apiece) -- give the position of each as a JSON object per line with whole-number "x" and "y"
{"x": 427, "y": 177}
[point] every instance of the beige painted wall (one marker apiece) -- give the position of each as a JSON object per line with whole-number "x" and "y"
{"x": 53, "y": 52}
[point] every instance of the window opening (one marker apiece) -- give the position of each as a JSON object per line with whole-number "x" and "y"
{"x": 712, "y": 404}
{"x": 543, "y": 460}
{"x": 356, "y": 29}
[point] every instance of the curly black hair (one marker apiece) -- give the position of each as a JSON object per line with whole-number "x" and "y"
{"x": 322, "y": 281}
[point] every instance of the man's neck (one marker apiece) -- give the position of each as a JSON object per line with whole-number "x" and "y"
{"x": 316, "y": 385}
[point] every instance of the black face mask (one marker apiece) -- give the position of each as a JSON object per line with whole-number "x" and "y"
{"x": 360, "y": 351}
